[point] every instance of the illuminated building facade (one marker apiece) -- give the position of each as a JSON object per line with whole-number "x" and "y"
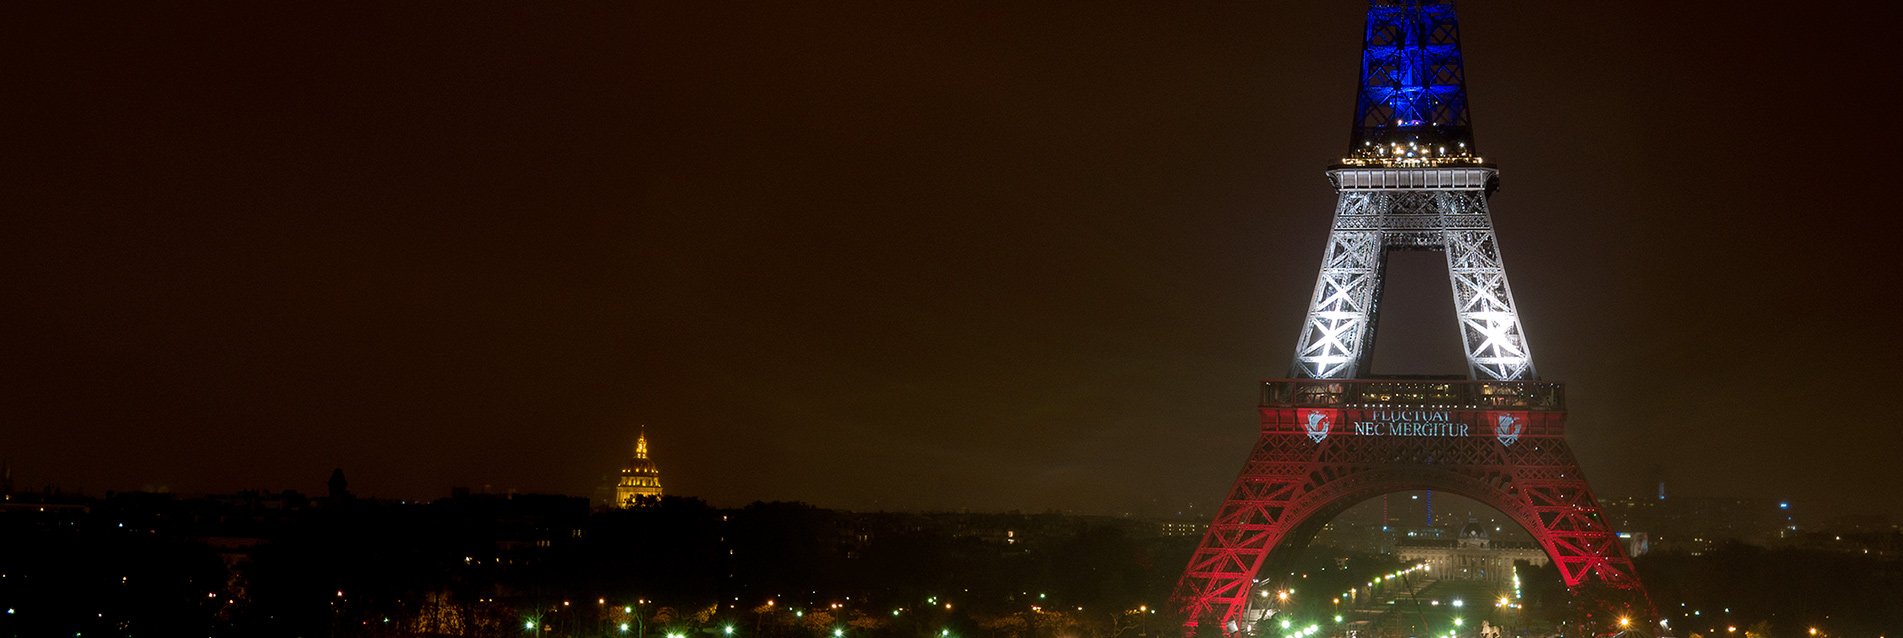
{"x": 640, "y": 483}
{"x": 1473, "y": 555}
{"x": 1332, "y": 434}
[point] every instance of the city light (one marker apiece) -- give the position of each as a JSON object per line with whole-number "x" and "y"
{"x": 528, "y": 624}
{"x": 624, "y": 628}
{"x": 728, "y": 630}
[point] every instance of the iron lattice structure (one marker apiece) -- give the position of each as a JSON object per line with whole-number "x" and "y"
{"x": 1413, "y": 85}
{"x": 1380, "y": 209}
{"x": 1328, "y": 444}
{"x": 1330, "y": 439}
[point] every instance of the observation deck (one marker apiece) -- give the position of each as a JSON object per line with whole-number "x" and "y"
{"x": 1451, "y": 394}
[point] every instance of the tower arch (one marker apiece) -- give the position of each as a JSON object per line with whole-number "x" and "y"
{"x": 1327, "y": 444}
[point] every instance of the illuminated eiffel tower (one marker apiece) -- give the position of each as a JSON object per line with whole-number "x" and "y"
{"x": 1331, "y": 438}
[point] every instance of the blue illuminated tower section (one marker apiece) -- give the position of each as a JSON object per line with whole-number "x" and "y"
{"x": 1413, "y": 86}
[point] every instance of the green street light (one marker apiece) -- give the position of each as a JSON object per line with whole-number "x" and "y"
{"x": 728, "y": 630}
{"x": 624, "y": 628}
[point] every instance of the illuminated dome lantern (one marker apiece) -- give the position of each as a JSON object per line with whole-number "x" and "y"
{"x": 640, "y": 484}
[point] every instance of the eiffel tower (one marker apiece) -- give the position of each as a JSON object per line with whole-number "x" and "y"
{"x": 1332, "y": 437}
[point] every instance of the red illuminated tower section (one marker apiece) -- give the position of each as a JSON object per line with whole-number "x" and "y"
{"x": 1332, "y": 437}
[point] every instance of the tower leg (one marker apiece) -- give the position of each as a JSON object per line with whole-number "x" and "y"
{"x": 1495, "y": 344}
{"x": 1335, "y": 333}
{"x": 1252, "y": 521}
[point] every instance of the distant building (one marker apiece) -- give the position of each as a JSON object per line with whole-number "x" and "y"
{"x": 1697, "y": 524}
{"x": 1472, "y": 555}
{"x": 1175, "y": 529}
{"x": 640, "y": 483}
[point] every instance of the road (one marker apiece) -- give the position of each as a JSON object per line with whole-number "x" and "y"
{"x": 1429, "y": 607}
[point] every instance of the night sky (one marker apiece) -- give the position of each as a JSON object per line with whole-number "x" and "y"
{"x": 904, "y": 255}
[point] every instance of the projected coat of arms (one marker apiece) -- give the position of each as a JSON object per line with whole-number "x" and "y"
{"x": 1317, "y": 423}
{"x": 1507, "y": 426}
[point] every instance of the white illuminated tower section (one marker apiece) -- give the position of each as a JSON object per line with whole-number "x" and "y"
{"x": 1412, "y": 181}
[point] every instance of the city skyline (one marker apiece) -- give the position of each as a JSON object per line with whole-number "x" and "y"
{"x": 903, "y": 258}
